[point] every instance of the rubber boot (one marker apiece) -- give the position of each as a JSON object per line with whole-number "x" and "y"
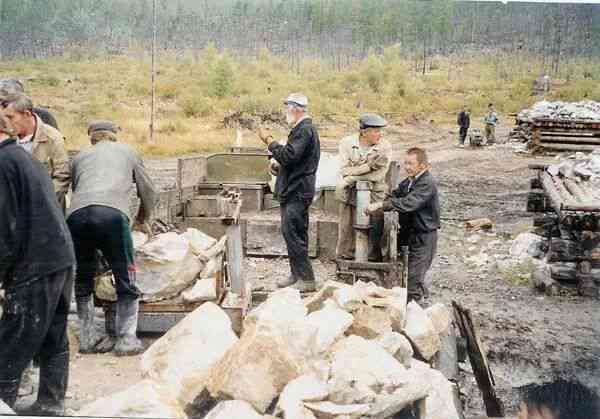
{"x": 108, "y": 341}
{"x": 88, "y": 338}
{"x": 8, "y": 391}
{"x": 126, "y": 324}
{"x": 54, "y": 379}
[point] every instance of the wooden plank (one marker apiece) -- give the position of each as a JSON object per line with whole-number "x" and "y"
{"x": 235, "y": 257}
{"x": 483, "y": 374}
{"x": 569, "y": 147}
{"x": 570, "y": 139}
{"x": 552, "y": 193}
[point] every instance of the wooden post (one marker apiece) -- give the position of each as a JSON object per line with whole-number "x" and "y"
{"x": 153, "y": 101}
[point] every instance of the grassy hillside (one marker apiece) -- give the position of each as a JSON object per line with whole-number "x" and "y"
{"x": 196, "y": 91}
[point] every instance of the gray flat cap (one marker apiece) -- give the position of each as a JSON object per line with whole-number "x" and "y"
{"x": 10, "y": 87}
{"x": 371, "y": 120}
{"x": 297, "y": 99}
{"x": 103, "y": 126}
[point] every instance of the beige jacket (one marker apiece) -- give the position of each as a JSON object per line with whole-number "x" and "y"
{"x": 49, "y": 149}
{"x": 371, "y": 164}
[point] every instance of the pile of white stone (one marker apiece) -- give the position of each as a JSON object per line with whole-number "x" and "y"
{"x": 346, "y": 352}
{"x": 173, "y": 266}
{"x": 584, "y": 110}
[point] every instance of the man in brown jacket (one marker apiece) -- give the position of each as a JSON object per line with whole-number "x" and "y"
{"x": 43, "y": 142}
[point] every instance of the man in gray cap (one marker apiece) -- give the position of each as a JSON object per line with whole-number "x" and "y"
{"x": 11, "y": 86}
{"x": 99, "y": 219}
{"x": 363, "y": 157}
{"x": 297, "y": 163}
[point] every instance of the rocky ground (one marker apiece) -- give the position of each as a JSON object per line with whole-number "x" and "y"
{"x": 528, "y": 336}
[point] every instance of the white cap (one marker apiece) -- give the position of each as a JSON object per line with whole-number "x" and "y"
{"x": 297, "y": 99}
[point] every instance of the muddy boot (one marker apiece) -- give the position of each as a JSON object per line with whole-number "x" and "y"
{"x": 54, "y": 378}
{"x": 126, "y": 325}
{"x": 8, "y": 391}
{"x": 88, "y": 338}
{"x": 305, "y": 286}
{"x": 286, "y": 282}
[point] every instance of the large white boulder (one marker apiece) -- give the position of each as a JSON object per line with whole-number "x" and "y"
{"x": 441, "y": 317}
{"x": 4, "y": 409}
{"x": 331, "y": 323}
{"x": 420, "y": 331}
{"x": 442, "y": 400}
{"x": 306, "y": 388}
{"x": 370, "y": 322}
{"x": 182, "y": 357}
{"x": 358, "y": 367}
{"x": 398, "y": 346}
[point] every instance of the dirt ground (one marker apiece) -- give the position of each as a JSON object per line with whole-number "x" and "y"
{"x": 529, "y": 336}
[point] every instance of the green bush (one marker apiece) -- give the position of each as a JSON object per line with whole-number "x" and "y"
{"x": 221, "y": 78}
{"x": 196, "y": 106}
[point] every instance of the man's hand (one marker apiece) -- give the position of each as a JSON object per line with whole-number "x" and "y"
{"x": 374, "y": 208}
{"x": 265, "y": 135}
{"x": 345, "y": 171}
{"x": 274, "y": 168}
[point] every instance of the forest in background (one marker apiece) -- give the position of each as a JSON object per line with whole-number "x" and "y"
{"x": 340, "y": 32}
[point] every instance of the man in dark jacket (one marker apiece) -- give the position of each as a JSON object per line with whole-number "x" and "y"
{"x": 297, "y": 163}
{"x": 36, "y": 271}
{"x": 416, "y": 200}
{"x": 464, "y": 121}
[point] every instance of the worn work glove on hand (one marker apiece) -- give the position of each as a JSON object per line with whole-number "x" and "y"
{"x": 274, "y": 168}
{"x": 374, "y": 208}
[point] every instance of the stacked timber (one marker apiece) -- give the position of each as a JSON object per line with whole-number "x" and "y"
{"x": 567, "y": 197}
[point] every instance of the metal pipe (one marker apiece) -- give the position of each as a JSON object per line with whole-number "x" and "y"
{"x": 362, "y": 221}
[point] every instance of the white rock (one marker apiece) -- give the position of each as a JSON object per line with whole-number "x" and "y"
{"x": 526, "y": 245}
{"x": 398, "y": 301}
{"x": 386, "y": 405}
{"x": 165, "y": 267}
{"x": 370, "y": 322}
{"x": 281, "y": 308}
{"x": 182, "y": 358}
{"x": 139, "y": 239}
{"x": 4, "y": 409}
{"x": 358, "y": 366}
{"x": 348, "y": 298}
{"x": 316, "y": 301}
{"x": 420, "y": 331}
{"x": 230, "y": 409}
{"x": 331, "y": 324}
{"x": 328, "y": 410}
{"x": 203, "y": 290}
{"x": 441, "y": 402}
{"x": 441, "y": 316}
{"x": 142, "y": 400}
{"x": 213, "y": 266}
{"x": 199, "y": 241}
{"x": 398, "y": 346}
{"x": 256, "y": 369}
{"x": 304, "y": 388}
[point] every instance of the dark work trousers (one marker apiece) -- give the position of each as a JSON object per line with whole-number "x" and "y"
{"x": 422, "y": 249}
{"x": 34, "y": 323}
{"x": 106, "y": 229}
{"x": 294, "y": 226}
{"x": 462, "y": 134}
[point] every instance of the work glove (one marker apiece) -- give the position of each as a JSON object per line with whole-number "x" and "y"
{"x": 374, "y": 208}
{"x": 274, "y": 168}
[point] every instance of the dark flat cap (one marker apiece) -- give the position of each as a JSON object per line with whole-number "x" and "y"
{"x": 103, "y": 126}
{"x": 372, "y": 120}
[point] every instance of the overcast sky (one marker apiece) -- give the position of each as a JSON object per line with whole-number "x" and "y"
{"x": 542, "y": 1}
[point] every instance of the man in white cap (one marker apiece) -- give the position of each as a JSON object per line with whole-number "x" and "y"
{"x": 363, "y": 157}
{"x": 297, "y": 164}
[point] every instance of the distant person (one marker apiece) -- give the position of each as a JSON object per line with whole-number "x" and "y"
{"x": 364, "y": 156}
{"x": 296, "y": 165}
{"x": 11, "y": 87}
{"x": 417, "y": 203}
{"x": 559, "y": 400}
{"x": 37, "y": 263}
{"x": 463, "y": 121}
{"x": 99, "y": 219}
{"x": 44, "y": 143}
{"x": 490, "y": 120}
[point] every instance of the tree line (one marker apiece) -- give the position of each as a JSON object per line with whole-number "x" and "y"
{"x": 339, "y": 31}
